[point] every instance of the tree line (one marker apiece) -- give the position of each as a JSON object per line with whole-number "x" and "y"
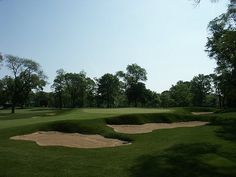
{"x": 200, "y": 91}
{"x": 127, "y": 88}
{"x": 24, "y": 87}
{"x": 218, "y": 88}
{"x": 122, "y": 89}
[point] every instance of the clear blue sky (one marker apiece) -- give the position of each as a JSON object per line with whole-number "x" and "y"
{"x": 166, "y": 37}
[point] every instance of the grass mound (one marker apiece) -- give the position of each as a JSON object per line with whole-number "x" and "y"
{"x": 96, "y": 126}
{"x": 137, "y": 119}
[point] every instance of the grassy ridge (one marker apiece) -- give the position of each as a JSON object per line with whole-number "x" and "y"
{"x": 155, "y": 118}
{"x": 96, "y": 126}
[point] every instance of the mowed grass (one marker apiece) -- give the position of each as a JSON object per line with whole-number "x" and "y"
{"x": 204, "y": 151}
{"x": 32, "y": 116}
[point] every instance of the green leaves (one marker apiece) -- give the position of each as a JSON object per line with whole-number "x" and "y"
{"x": 221, "y": 46}
{"x": 27, "y": 75}
{"x": 108, "y": 89}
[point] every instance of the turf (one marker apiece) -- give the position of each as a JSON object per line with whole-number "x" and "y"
{"x": 205, "y": 151}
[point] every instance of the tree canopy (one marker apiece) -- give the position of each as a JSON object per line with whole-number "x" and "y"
{"x": 27, "y": 75}
{"x": 221, "y": 46}
{"x": 108, "y": 89}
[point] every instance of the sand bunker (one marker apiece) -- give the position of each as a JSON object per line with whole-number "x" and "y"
{"x": 202, "y": 113}
{"x": 76, "y": 140}
{"x": 145, "y": 128}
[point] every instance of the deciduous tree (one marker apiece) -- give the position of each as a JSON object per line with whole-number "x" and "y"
{"x": 108, "y": 89}
{"x": 221, "y": 46}
{"x": 200, "y": 88}
{"x": 59, "y": 86}
{"x": 134, "y": 86}
{"x": 27, "y": 75}
{"x": 181, "y": 93}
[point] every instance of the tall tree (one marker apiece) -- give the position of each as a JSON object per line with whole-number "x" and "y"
{"x": 6, "y": 89}
{"x": 200, "y": 88}
{"x": 166, "y": 100}
{"x": 90, "y": 92}
{"x": 151, "y": 99}
{"x": 32, "y": 78}
{"x": 15, "y": 64}
{"x": 42, "y": 99}
{"x": 134, "y": 74}
{"x": 136, "y": 93}
{"x": 218, "y": 88}
{"x": 76, "y": 87}
{"x": 108, "y": 89}
{"x": 73, "y": 89}
{"x": 181, "y": 93}
{"x": 221, "y": 47}
{"x": 59, "y": 86}
{"x": 27, "y": 75}
{"x": 134, "y": 86}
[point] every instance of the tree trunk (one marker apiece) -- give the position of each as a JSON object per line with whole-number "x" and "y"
{"x": 14, "y": 97}
{"x": 60, "y": 100}
{"x": 13, "y": 108}
{"x": 135, "y": 103}
{"x": 220, "y": 101}
{"x": 223, "y": 102}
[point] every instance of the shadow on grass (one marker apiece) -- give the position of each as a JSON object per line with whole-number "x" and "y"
{"x": 228, "y": 130}
{"x": 181, "y": 161}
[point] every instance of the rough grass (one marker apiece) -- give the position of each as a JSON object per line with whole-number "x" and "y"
{"x": 206, "y": 151}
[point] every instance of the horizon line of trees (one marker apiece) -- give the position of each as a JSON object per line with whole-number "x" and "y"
{"x": 24, "y": 87}
{"x": 122, "y": 89}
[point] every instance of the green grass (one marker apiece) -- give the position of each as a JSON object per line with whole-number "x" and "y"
{"x": 206, "y": 151}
